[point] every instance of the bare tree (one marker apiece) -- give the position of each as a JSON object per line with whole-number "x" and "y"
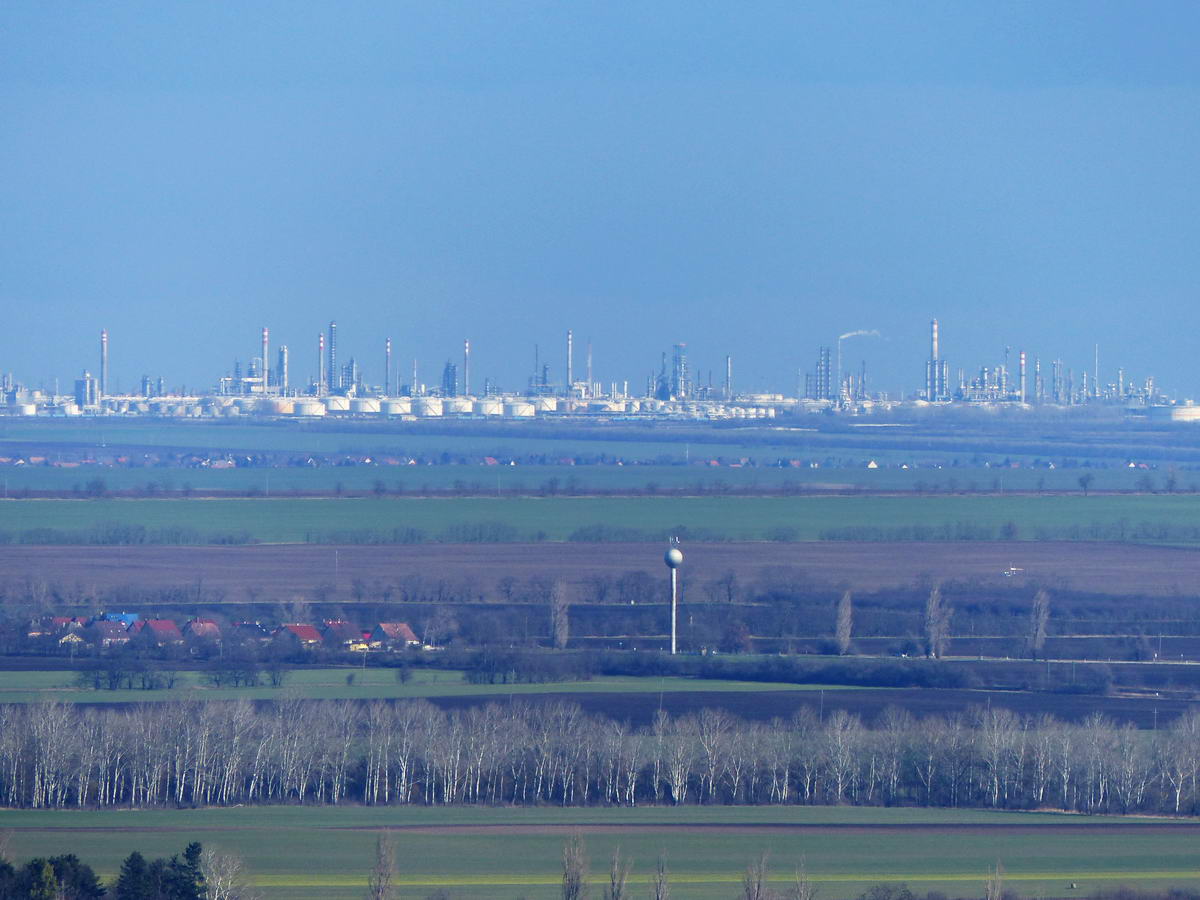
{"x": 754, "y": 882}
{"x": 662, "y": 878}
{"x": 803, "y": 887}
{"x": 560, "y": 604}
{"x": 845, "y": 622}
{"x": 937, "y": 623}
{"x": 618, "y": 876}
{"x": 225, "y": 876}
{"x": 379, "y": 883}
{"x": 575, "y": 865}
{"x": 1039, "y": 616}
{"x": 993, "y": 887}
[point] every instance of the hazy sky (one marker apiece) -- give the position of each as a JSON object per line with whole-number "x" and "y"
{"x": 751, "y": 178}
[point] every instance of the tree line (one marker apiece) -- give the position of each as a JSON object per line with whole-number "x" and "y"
{"x": 56, "y": 755}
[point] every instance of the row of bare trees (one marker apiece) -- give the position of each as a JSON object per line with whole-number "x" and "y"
{"x": 168, "y": 754}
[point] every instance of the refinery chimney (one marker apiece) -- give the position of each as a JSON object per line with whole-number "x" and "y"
{"x": 334, "y": 381}
{"x": 281, "y": 377}
{"x": 1024, "y": 385}
{"x": 266, "y": 362}
{"x": 570, "y": 361}
{"x": 320, "y": 363}
{"x": 466, "y": 367}
{"x": 104, "y": 363}
{"x": 387, "y": 367}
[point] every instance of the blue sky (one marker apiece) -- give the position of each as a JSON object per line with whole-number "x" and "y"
{"x": 750, "y": 178}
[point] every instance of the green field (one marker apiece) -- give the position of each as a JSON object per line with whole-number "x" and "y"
{"x": 512, "y": 853}
{"x": 368, "y": 684}
{"x": 291, "y": 520}
{"x": 482, "y": 479}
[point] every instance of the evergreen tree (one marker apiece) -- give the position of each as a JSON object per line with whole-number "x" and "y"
{"x": 134, "y": 882}
{"x": 76, "y": 880}
{"x": 42, "y": 883}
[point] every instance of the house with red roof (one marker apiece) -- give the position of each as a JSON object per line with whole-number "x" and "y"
{"x": 157, "y": 631}
{"x": 304, "y": 635}
{"x": 393, "y": 636}
{"x": 106, "y": 634}
{"x": 203, "y": 630}
{"x": 339, "y": 633}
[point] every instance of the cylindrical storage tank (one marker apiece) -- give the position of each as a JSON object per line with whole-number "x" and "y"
{"x": 489, "y": 406}
{"x": 633, "y": 406}
{"x": 427, "y": 406}
{"x": 231, "y": 411}
{"x": 308, "y": 408}
{"x": 519, "y": 409}
{"x": 364, "y": 406}
{"x": 274, "y": 406}
{"x": 545, "y": 404}
{"x": 70, "y": 409}
{"x": 25, "y": 409}
{"x": 334, "y": 403}
{"x": 400, "y": 406}
{"x": 456, "y": 406}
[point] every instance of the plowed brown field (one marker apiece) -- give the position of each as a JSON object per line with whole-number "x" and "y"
{"x": 281, "y": 572}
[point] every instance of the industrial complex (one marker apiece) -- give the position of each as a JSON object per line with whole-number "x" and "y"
{"x": 264, "y": 386}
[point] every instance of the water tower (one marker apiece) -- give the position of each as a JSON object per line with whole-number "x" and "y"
{"x": 674, "y": 559}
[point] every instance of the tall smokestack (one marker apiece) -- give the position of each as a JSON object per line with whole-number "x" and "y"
{"x": 387, "y": 367}
{"x": 266, "y": 362}
{"x": 933, "y": 340}
{"x": 589, "y": 365}
{"x": 1024, "y": 385}
{"x": 104, "y": 362}
{"x": 570, "y": 360}
{"x": 281, "y": 380}
{"x": 728, "y": 377}
{"x": 334, "y": 381}
{"x": 466, "y": 368}
{"x": 320, "y": 363}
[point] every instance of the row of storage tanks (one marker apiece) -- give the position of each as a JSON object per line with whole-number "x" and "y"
{"x": 420, "y": 407}
{"x": 493, "y": 407}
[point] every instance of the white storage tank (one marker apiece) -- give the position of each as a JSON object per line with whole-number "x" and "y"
{"x": 519, "y": 409}
{"x": 308, "y": 408}
{"x": 457, "y": 406}
{"x": 364, "y": 406}
{"x": 336, "y": 403}
{"x": 545, "y": 404}
{"x": 427, "y": 406}
{"x": 275, "y": 406}
{"x": 399, "y": 406}
{"x": 25, "y": 409}
{"x": 489, "y": 406}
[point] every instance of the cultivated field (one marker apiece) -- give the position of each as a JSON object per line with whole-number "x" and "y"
{"x": 514, "y": 853}
{"x": 347, "y": 520}
{"x": 628, "y": 699}
{"x": 281, "y": 573}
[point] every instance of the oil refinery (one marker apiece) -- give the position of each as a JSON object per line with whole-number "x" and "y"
{"x": 264, "y": 386}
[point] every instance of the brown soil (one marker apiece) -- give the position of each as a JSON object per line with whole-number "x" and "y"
{"x": 281, "y": 572}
